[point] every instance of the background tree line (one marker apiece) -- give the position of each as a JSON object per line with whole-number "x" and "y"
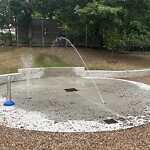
{"x": 117, "y": 24}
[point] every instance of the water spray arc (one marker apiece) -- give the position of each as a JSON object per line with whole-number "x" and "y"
{"x": 68, "y": 41}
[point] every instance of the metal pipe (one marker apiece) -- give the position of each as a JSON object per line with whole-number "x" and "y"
{"x": 86, "y": 38}
{"x": 8, "y": 89}
{"x": 17, "y": 34}
{"x": 9, "y": 102}
{"x": 43, "y": 42}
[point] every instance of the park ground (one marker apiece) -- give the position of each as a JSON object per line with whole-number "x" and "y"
{"x": 137, "y": 138}
{"x": 11, "y": 58}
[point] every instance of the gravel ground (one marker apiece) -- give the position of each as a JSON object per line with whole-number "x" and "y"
{"x": 137, "y": 138}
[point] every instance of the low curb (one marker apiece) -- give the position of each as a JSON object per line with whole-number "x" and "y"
{"x": 36, "y": 73}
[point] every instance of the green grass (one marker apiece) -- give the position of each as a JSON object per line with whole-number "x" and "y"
{"x": 102, "y": 68}
{"x": 48, "y": 60}
{"x": 8, "y": 71}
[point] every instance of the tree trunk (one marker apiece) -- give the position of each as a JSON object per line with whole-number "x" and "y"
{"x": 99, "y": 39}
{"x": 29, "y": 30}
{"x": 112, "y": 54}
{"x": 16, "y": 26}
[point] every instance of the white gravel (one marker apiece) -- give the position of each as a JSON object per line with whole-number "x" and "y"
{"x": 15, "y": 117}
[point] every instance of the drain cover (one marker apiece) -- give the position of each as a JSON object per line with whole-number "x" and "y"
{"x": 121, "y": 119}
{"x": 110, "y": 121}
{"x": 71, "y": 90}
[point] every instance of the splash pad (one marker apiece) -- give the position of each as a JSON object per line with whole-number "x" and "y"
{"x": 65, "y": 100}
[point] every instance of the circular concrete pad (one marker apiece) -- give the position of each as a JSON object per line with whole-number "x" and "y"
{"x": 45, "y": 105}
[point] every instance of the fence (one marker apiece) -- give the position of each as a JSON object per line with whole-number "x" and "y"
{"x": 44, "y": 32}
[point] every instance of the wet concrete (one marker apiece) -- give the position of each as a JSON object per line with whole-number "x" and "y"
{"x": 47, "y": 96}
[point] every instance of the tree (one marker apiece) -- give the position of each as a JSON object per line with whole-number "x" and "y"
{"x": 112, "y": 23}
{"x": 136, "y": 22}
{"x": 6, "y": 20}
{"x": 22, "y": 10}
{"x": 66, "y": 16}
{"x": 101, "y": 21}
{"x": 44, "y": 8}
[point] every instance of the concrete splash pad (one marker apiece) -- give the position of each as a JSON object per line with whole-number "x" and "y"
{"x": 44, "y": 105}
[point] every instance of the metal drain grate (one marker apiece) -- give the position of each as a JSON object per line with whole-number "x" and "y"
{"x": 110, "y": 121}
{"x": 71, "y": 90}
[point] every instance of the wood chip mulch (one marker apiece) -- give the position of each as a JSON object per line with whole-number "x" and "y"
{"x": 137, "y": 138}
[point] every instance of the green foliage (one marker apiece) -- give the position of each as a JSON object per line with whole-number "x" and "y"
{"x": 64, "y": 14}
{"x": 19, "y": 7}
{"x": 112, "y": 22}
{"x": 6, "y": 21}
{"x": 101, "y": 20}
{"x": 21, "y": 10}
{"x": 44, "y": 8}
{"x": 6, "y": 17}
{"x": 96, "y": 14}
{"x": 8, "y": 71}
{"x": 114, "y": 40}
{"x": 136, "y": 23}
{"x": 7, "y": 37}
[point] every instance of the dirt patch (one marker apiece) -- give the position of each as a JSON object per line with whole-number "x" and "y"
{"x": 145, "y": 79}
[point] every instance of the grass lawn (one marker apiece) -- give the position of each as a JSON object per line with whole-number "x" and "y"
{"x": 10, "y": 58}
